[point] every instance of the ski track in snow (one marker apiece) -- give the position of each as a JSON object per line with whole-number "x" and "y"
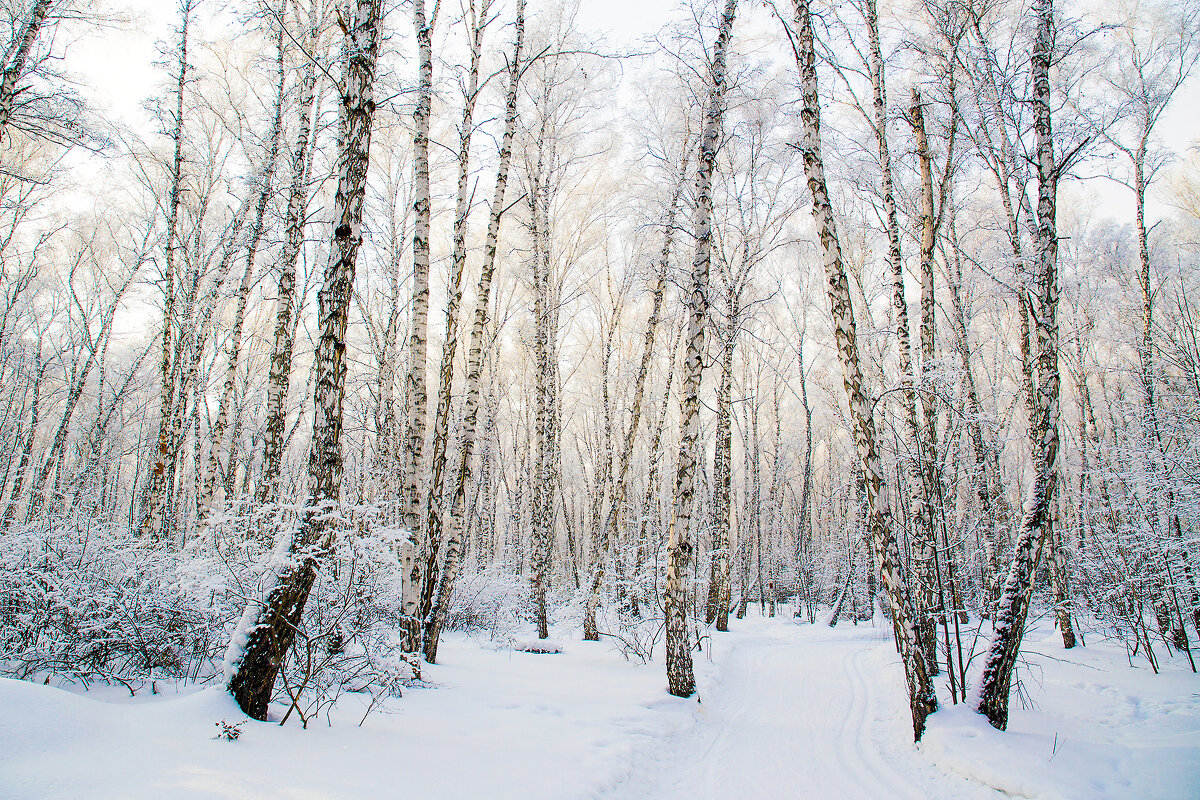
{"x": 796, "y": 715}
{"x": 790, "y": 712}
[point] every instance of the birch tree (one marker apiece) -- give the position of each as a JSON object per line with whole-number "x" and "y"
{"x": 265, "y": 186}
{"x": 680, "y": 678}
{"x": 158, "y": 480}
{"x": 283, "y": 338}
{"x": 268, "y": 625}
{"x": 476, "y": 350}
{"x": 543, "y": 513}
{"x": 1013, "y": 605}
{"x": 415, "y": 394}
{"x": 609, "y": 531}
{"x": 1158, "y": 50}
{"x": 922, "y": 700}
{"x": 475, "y": 21}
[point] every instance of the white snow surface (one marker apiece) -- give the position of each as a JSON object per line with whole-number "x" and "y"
{"x": 786, "y": 710}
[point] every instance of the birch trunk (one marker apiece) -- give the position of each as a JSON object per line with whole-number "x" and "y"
{"x": 924, "y": 539}
{"x": 283, "y": 340}
{"x": 1013, "y": 606}
{"x": 414, "y": 385}
{"x": 1146, "y": 370}
{"x": 158, "y": 482}
{"x": 220, "y": 425}
{"x": 650, "y": 504}
{"x": 477, "y": 20}
{"x": 804, "y": 533}
{"x": 680, "y": 678}
{"x": 23, "y": 465}
{"x": 920, "y": 510}
{"x": 716, "y": 611}
{"x": 922, "y": 700}
{"x": 268, "y": 626}
{"x": 621, "y": 487}
{"x": 541, "y": 523}
{"x": 475, "y": 354}
{"x": 14, "y": 69}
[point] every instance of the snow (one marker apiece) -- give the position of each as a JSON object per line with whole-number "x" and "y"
{"x": 785, "y": 710}
{"x": 799, "y": 711}
{"x": 1096, "y": 727}
{"x": 535, "y": 645}
{"x": 493, "y": 723}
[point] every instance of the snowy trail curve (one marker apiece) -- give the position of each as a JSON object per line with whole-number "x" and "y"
{"x": 800, "y": 711}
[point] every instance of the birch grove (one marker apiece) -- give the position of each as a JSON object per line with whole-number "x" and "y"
{"x": 870, "y": 314}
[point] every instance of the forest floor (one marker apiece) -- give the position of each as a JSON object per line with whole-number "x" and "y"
{"x": 808, "y": 711}
{"x": 799, "y": 711}
{"x": 786, "y": 710}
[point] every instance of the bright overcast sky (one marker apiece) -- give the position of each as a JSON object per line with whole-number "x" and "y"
{"x": 119, "y": 70}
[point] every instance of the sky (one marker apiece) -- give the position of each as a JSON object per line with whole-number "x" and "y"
{"x": 118, "y": 63}
{"x": 119, "y": 69}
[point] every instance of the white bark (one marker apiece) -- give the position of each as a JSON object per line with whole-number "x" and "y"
{"x": 680, "y": 677}
{"x": 922, "y": 700}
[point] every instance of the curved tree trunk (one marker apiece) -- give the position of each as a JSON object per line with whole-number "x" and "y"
{"x": 14, "y": 68}
{"x": 1013, "y": 606}
{"x": 268, "y": 625}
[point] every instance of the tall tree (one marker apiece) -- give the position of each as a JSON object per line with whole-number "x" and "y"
{"x": 922, "y": 700}
{"x": 680, "y": 677}
{"x": 475, "y": 354}
{"x": 268, "y": 625}
{"x": 1013, "y": 605}
{"x": 1154, "y": 61}
{"x": 476, "y": 20}
{"x": 543, "y": 514}
{"x": 610, "y": 529}
{"x": 158, "y": 482}
{"x": 265, "y": 181}
{"x": 283, "y": 338}
{"x": 415, "y": 394}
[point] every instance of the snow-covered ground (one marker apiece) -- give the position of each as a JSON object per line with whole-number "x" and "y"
{"x": 787, "y": 711}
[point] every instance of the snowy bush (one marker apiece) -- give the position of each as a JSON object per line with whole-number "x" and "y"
{"x": 88, "y": 604}
{"x": 492, "y": 601}
{"x": 635, "y": 635}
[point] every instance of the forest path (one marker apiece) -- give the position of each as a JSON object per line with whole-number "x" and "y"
{"x": 799, "y": 711}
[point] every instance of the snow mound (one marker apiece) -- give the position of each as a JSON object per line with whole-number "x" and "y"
{"x": 544, "y": 646}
